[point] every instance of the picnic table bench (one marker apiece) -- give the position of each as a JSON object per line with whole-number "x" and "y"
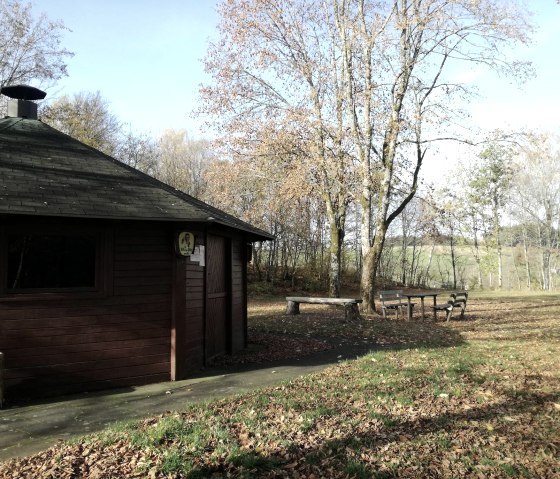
{"x": 393, "y": 300}
{"x": 351, "y": 310}
{"x": 457, "y": 299}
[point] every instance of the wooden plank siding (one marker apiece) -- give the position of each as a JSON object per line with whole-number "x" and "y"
{"x": 149, "y": 323}
{"x": 193, "y": 348}
{"x": 218, "y": 296}
{"x": 238, "y": 295}
{"x": 189, "y": 313}
{"x": 121, "y": 338}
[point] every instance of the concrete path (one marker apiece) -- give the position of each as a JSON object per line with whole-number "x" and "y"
{"x": 28, "y": 429}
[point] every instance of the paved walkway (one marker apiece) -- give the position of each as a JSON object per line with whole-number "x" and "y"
{"x": 28, "y": 429}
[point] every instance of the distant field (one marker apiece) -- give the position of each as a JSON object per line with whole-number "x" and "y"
{"x": 440, "y": 270}
{"x": 478, "y": 398}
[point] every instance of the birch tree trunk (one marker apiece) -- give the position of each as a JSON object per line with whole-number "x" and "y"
{"x": 336, "y": 222}
{"x": 527, "y": 265}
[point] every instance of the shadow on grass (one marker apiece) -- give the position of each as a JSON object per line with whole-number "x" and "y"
{"x": 343, "y": 453}
{"x": 345, "y": 340}
{"x": 445, "y": 423}
{"x": 528, "y": 307}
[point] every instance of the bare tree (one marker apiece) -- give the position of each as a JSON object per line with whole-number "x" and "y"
{"x": 274, "y": 195}
{"x": 30, "y": 46}
{"x": 411, "y": 50}
{"x": 183, "y": 161}
{"x": 140, "y": 151}
{"x": 537, "y": 198}
{"x": 364, "y": 85}
{"x": 490, "y": 184}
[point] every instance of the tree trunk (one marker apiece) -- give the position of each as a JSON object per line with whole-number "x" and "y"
{"x": 415, "y": 261}
{"x": 527, "y": 265}
{"x": 498, "y": 233}
{"x": 546, "y": 269}
{"x": 403, "y": 257}
{"x": 549, "y": 244}
{"x": 453, "y": 260}
{"x": 335, "y": 266}
{"x": 477, "y": 255}
{"x": 369, "y": 272}
{"x": 367, "y": 287}
{"x": 257, "y": 250}
{"x": 517, "y": 275}
{"x": 357, "y": 246}
{"x": 336, "y": 214}
{"x": 500, "y": 266}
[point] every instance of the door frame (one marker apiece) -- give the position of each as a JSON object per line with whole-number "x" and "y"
{"x": 227, "y": 264}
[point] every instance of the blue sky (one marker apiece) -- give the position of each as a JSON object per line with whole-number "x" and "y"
{"x": 144, "y": 56}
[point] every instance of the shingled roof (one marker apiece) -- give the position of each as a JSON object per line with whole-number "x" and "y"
{"x": 45, "y": 172}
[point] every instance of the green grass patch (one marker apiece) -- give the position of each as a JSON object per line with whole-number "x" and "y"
{"x": 254, "y": 462}
{"x": 170, "y": 429}
{"x": 175, "y": 462}
{"x": 473, "y": 398}
{"x": 357, "y": 470}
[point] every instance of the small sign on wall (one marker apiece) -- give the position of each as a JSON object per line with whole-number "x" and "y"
{"x": 198, "y": 256}
{"x": 185, "y": 243}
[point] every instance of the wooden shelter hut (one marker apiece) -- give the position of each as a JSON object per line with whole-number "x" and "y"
{"x": 108, "y": 277}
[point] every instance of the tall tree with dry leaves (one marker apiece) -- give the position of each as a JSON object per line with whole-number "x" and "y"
{"x": 276, "y": 86}
{"x": 363, "y": 85}
{"x": 403, "y": 60}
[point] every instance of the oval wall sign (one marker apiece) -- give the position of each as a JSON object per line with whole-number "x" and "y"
{"x": 185, "y": 243}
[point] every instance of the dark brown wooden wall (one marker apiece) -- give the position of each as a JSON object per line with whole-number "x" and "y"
{"x": 238, "y": 295}
{"x": 218, "y": 295}
{"x": 55, "y": 346}
{"x": 155, "y": 303}
{"x": 189, "y": 314}
{"x": 192, "y": 338}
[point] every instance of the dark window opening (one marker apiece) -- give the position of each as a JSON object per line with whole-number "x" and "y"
{"x": 51, "y": 261}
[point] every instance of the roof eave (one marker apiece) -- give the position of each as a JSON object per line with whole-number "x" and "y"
{"x": 252, "y": 233}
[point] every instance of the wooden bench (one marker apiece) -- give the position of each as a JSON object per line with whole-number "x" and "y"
{"x": 393, "y": 300}
{"x": 351, "y": 310}
{"x": 457, "y": 299}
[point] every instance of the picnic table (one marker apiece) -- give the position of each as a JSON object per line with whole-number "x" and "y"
{"x": 420, "y": 295}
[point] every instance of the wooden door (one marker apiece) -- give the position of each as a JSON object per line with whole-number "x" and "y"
{"x": 218, "y": 284}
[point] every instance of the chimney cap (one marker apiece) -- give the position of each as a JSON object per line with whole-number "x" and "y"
{"x": 23, "y": 92}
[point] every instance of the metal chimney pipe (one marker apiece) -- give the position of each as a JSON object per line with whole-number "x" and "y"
{"x": 21, "y": 104}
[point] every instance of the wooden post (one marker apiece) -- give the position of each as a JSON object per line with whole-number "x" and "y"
{"x": 292, "y": 308}
{"x": 352, "y": 312}
{"x": 1, "y": 380}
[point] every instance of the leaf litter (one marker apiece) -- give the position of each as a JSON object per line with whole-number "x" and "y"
{"x": 477, "y": 398}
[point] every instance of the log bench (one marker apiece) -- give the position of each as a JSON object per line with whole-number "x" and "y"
{"x": 351, "y": 311}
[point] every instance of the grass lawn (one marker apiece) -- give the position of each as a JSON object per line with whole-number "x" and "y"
{"x": 475, "y": 398}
